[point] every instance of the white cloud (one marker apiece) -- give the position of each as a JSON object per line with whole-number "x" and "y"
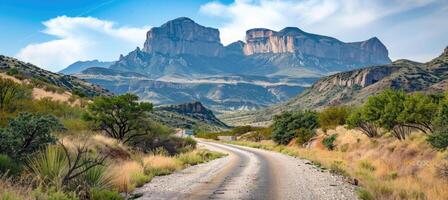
{"x": 333, "y": 17}
{"x": 81, "y": 38}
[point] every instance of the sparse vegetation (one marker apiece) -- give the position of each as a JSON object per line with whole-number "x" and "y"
{"x": 47, "y": 151}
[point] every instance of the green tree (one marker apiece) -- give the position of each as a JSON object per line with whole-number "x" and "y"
{"x": 332, "y": 117}
{"x": 358, "y": 120}
{"x": 418, "y": 112}
{"x": 285, "y": 125}
{"x": 439, "y": 139}
{"x": 27, "y": 133}
{"x": 385, "y": 109}
{"x": 120, "y": 117}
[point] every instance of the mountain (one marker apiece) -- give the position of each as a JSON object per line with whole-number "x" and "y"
{"x": 44, "y": 78}
{"x": 221, "y": 94}
{"x": 79, "y": 66}
{"x": 354, "y": 87}
{"x": 189, "y": 116}
{"x": 182, "y": 61}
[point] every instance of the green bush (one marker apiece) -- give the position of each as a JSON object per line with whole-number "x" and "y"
{"x": 96, "y": 194}
{"x": 329, "y": 142}
{"x": 285, "y": 125}
{"x": 7, "y": 165}
{"x": 438, "y": 140}
{"x": 332, "y": 117}
{"x": 304, "y": 135}
{"x": 28, "y": 133}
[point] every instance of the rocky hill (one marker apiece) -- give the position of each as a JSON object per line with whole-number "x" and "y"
{"x": 44, "y": 78}
{"x": 354, "y": 87}
{"x": 189, "y": 116}
{"x": 188, "y": 55}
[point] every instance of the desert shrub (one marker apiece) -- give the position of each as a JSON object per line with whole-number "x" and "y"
{"x": 28, "y": 133}
{"x": 366, "y": 165}
{"x": 120, "y": 117}
{"x": 96, "y": 194}
{"x": 363, "y": 194}
{"x": 328, "y": 142}
{"x": 303, "y": 135}
{"x": 337, "y": 168}
{"x": 439, "y": 140}
{"x": 285, "y": 125}
{"x": 197, "y": 157}
{"x": 139, "y": 179}
{"x": 9, "y": 166}
{"x": 11, "y": 93}
{"x": 173, "y": 145}
{"x": 332, "y": 117}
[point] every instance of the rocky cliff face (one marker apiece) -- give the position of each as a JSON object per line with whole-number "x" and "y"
{"x": 183, "y": 36}
{"x": 294, "y": 40}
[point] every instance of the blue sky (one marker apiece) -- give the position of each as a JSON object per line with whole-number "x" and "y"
{"x": 53, "y": 34}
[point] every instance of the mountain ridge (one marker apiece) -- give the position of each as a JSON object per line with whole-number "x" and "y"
{"x": 182, "y": 49}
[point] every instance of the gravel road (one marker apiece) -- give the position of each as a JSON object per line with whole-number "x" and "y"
{"x": 248, "y": 173}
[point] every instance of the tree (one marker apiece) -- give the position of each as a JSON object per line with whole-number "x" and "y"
{"x": 418, "y": 112}
{"x": 439, "y": 139}
{"x": 384, "y": 110}
{"x": 120, "y": 117}
{"x": 287, "y": 124}
{"x": 332, "y": 117}
{"x": 10, "y": 92}
{"x": 357, "y": 120}
{"x": 28, "y": 133}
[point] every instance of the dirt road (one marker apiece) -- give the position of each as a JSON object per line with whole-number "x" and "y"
{"x": 248, "y": 173}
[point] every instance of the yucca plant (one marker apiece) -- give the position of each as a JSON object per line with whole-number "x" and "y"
{"x": 49, "y": 167}
{"x": 97, "y": 177}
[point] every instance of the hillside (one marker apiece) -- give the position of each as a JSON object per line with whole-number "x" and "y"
{"x": 189, "y": 116}
{"x": 354, "y": 87}
{"x": 48, "y": 80}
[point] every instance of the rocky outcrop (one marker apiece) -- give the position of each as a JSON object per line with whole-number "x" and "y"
{"x": 183, "y": 36}
{"x": 294, "y": 40}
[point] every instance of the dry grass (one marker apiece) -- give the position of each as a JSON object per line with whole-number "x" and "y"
{"x": 386, "y": 167}
{"x": 123, "y": 173}
{"x": 13, "y": 190}
{"x": 161, "y": 162}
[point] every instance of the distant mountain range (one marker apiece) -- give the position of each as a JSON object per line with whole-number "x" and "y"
{"x": 79, "y": 66}
{"x": 354, "y": 87}
{"x": 182, "y": 61}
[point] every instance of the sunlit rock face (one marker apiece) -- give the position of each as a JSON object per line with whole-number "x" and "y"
{"x": 294, "y": 40}
{"x": 183, "y": 36}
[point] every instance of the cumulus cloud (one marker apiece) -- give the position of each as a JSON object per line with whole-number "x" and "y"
{"x": 81, "y": 38}
{"x": 345, "y": 19}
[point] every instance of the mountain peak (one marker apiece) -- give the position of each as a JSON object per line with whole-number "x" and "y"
{"x": 183, "y": 36}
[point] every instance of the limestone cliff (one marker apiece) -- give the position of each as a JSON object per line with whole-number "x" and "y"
{"x": 294, "y": 40}
{"x": 183, "y": 36}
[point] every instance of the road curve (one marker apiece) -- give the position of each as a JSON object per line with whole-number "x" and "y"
{"x": 248, "y": 173}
